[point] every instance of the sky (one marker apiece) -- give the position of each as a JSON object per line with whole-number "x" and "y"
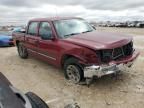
{"x": 20, "y": 11}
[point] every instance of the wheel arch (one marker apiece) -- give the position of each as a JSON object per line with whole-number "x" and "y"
{"x": 67, "y": 56}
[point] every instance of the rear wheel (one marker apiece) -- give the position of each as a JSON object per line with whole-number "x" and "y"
{"x": 73, "y": 70}
{"x": 36, "y": 101}
{"x": 22, "y": 51}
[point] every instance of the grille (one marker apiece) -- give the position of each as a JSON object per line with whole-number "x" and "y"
{"x": 128, "y": 49}
{"x": 116, "y": 53}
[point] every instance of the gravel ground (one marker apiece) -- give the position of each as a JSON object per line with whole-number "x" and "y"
{"x": 125, "y": 91}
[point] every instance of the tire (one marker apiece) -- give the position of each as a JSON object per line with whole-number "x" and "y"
{"x": 73, "y": 70}
{"x": 22, "y": 51}
{"x": 36, "y": 101}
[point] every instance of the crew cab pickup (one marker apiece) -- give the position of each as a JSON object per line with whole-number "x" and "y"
{"x": 74, "y": 45}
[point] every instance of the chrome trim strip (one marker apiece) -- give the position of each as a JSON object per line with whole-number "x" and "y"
{"x": 42, "y": 54}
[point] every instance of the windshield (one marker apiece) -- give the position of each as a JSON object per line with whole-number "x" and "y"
{"x": 66, "y": 28}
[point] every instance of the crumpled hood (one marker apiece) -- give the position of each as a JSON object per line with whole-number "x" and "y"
{"x": 99, "y": 40}
{"x": 2, "y": 37}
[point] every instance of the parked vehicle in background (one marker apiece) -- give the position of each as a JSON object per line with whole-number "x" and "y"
{"x": 74, "y": 45}
{"x": 131, "y": 25}
{"x": 121, "y": 25}
{"x": 19, "y": 29}
{"x": 6, "y": 39}
{"x": 141, "y": 25}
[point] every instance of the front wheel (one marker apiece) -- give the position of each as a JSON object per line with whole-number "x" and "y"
{"x": 22, "y": 51}
{"x": 73, "y": 70}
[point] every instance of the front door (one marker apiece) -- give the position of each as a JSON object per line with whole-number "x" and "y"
{"x": 48, "y": 48}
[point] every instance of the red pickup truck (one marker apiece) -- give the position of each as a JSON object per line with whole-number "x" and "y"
{"x": 74, "y": 45}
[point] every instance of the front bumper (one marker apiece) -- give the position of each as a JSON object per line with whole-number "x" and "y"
{"x": 111, "y": 68}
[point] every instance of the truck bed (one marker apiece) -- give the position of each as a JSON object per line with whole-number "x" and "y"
{"x": 18, "y": 36}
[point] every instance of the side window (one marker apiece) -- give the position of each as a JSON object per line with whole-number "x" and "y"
{"x": 32, "y": 30}
{"x": 45, "y": 30}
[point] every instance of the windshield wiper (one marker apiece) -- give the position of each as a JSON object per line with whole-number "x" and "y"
{"x": 77, "y": 33}
{"x": 87, "y": 31}
{"x": 70, "y": 34}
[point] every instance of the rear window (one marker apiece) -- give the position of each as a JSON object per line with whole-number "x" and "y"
{"x": 32, "y": 30}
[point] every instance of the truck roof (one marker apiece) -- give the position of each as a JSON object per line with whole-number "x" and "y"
{"x": 54, "y": 18}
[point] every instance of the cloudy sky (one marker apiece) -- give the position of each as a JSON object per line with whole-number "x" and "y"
{"x": 20, "y": 11}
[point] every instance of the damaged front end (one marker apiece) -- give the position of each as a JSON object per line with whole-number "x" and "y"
{"x": 112, "y": 61}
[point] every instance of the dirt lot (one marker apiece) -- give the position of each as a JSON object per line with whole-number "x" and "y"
{"x": 127, "y": 91}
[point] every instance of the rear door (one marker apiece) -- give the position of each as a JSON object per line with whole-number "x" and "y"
{"x": 31, "y": 37}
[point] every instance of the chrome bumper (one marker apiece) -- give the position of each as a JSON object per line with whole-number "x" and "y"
{"x": 99, "y": 71}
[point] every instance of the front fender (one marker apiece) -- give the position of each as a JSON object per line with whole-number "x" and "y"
{"x": 84, "y": 55}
